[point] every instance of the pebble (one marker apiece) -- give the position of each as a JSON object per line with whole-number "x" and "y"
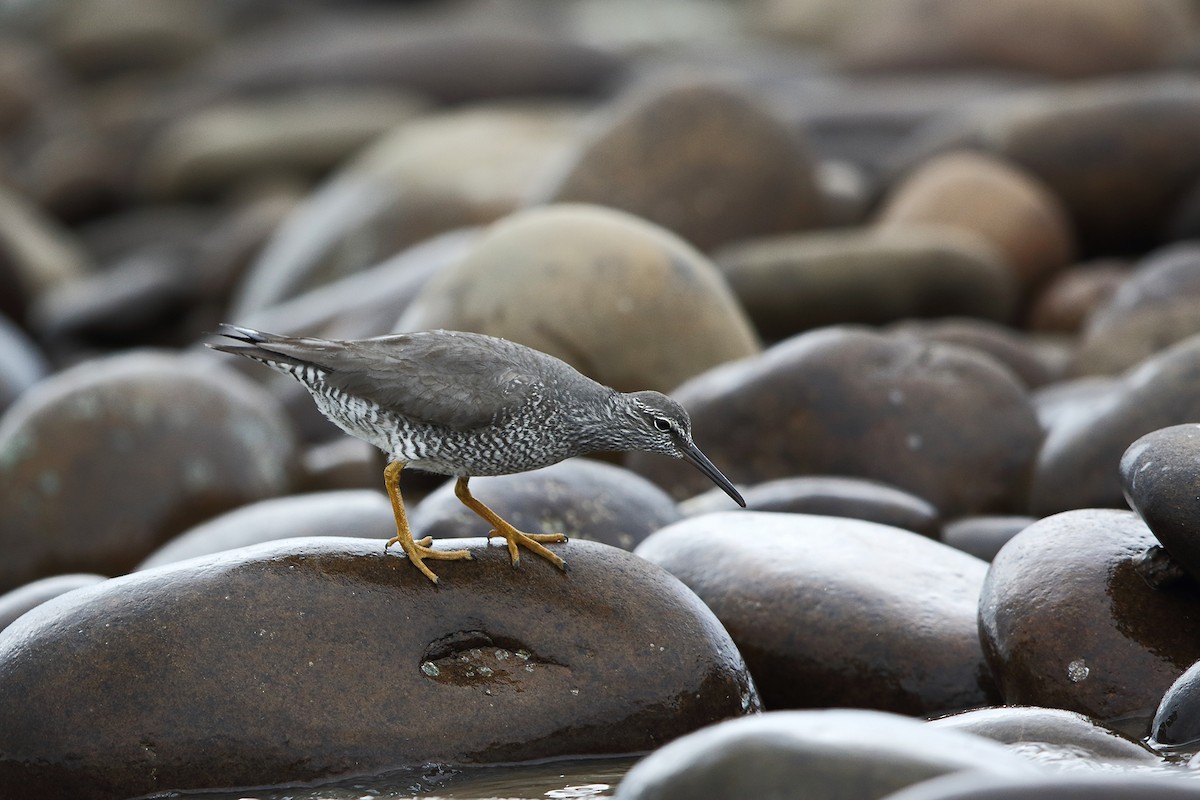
{"x": 846, "y": 401}
{"x": 831, "y": 611}
{"x": 1077, "y": 464}
{"x": 319, "y": 658}
{"x": 1160, "y": 473}
{"x": 708, "y": 162}
{"x": 826, "y": 755}
{"x": 672, "y": 318}
{"x": 581, "y": 497}
{"x": 983, "y": 536}
{"x": 1069, "y": 619}
{"x": 994, "y": 199}
{"x": 797, "y": 282}
{"x": 1053, "y": 786}
{"x": 101, "y": 463}
{"x": 16, "y": 602}
{"x": 831, "y": 496}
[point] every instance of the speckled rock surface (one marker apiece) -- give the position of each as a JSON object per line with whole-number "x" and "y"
{"x": 349, "y": 661}
{"x": 837, "y": 612}
{"x": 102, "y": 463}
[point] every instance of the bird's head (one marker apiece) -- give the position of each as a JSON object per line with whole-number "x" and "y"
{"x": 661, "y": 425}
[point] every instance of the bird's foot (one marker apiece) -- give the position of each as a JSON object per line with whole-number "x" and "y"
{"x": 420, "y": 550}
{"x": 531, "y": 542}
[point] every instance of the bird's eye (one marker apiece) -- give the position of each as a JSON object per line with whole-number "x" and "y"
{"x": 662, "y": 424}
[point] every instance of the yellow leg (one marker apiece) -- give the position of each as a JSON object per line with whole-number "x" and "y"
{"x": 417, "y": 551}
{"x": 513, "y": 536}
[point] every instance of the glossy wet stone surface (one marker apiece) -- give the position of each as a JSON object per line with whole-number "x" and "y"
{"x": 673, "y": 318}
{"x": 102, "y": 463}
{"x": 1177, "y": 721}
{"x": 845, "y": 401}
{"x": 1069, "y": 621}
{"x": 1033, "y": 729}
{"x": 825, "y": 752}
{"x": 16, "y": 602}
{"x": 837, "y": 612}
{"x": 350, "y": 661}
{"x": 1053, "y": 786}
{"x": 581, "y": 498}
{"x": 1160, "y": 473}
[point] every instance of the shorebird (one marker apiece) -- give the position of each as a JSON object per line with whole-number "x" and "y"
{"x": 464, "y": 404}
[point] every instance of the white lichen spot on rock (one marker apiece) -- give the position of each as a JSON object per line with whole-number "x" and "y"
{"x": 430, "y": 669}
{"x": 49, "y": 483}
{"x": 915, "y": 441}
{"x": 1077, "y": 670}
{"x": 198, "y": 474}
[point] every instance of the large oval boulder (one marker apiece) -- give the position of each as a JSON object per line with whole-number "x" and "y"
{"x": 844, "y": 401}
{"x": 831, "y": 611}
{"x": 103, "y": 462}
{"x": 620, "y": 299}
{"x": 310, "y": 659}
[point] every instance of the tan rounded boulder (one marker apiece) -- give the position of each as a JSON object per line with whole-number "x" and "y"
{"x": 1009, "y": 208}
{"x": 620, "y": 299}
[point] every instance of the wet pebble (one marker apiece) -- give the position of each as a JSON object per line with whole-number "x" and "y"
{"x": 101, "y": 463}
{"x": 837, "y": 612}
{"x": 1039, "y": 731}
{"x": 1069, "y": 620}
{"x": 845, "y": 401}
{"x": 359, "y": 513}
{"x": 1053, "y": 786}
{"x": 801, "y": 281}
{"x": 825, "y": 755}
{"x": 1160, "y": 473}
{"x": 350, "y": 662}
{"x": 1176, "y": 722}
{"x": 828, "y": 495}
{"x": 708, "y": 162}
{"x": 582, "y": 498}
{"x": 672, "y": 316}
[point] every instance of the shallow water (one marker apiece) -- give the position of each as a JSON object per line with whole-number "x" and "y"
{"x": 553, "y": 780}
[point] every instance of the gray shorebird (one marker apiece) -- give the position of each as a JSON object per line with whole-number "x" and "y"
{"x": 464, "y": 404}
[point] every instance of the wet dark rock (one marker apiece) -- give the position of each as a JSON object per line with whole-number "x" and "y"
{"x": 101, "y": 463}
{"x": 983, "y": 536}
{"x": 708, "y": 162}
{"x": 359, "y": 513}
{"x": 1067, "y": 620}
{"x": 1098, "y": 146}
{"x": 672, "y": 318}
{"x": 831, "y": 754}
{"x": 17, "y": 601}
{"x": 1002, "y": 343}
{"x": 1059, "y": 403}
{"x": 339, "y": 464}
{"x": 994, "y": 199}
{"x": 829, "y": 495}
{"x": 1177, "y": 720}
{"x": 844, "y": 401}
{"x": 1067, "y": 301}
{"x": 1031, "y": 728}
{"x": 1053, "y": 786}
{"x": 309, "y": 659}
{"x": 832, "y": 611}
{"x": 874, "y": 276}
{"x": 1019, "y": 35}
{"x": 1160, "y": 473}
{"x": 583, "y": 498}
{"x": 1077, "y": 466}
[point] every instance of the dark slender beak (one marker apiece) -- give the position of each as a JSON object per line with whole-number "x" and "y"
{"x": 691, "y": 454}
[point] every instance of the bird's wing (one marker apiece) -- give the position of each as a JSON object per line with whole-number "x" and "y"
{"x": 448, "y": 378}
